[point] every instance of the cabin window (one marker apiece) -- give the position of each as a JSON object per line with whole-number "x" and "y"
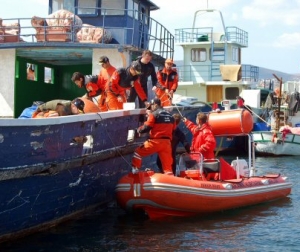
{"x": 87, "y": 7}
{"x": 231, "y": 93}
{"x": 133, "y": 9}
{"x": 48, "y": 73}
{"x": 136, "y": 10}
{"x": 63, "y": 4}
{"x": 198, "y": 54}
{"x": 235, "y": 54}
{"x": 144, "y": 15}
{"x": 31, "y": 71}
{"x": 112, "y": 7}
{"x": 130, "y": 8}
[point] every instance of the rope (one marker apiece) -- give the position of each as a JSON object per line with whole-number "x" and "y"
{"x": 178, "y": 110}
{"x": 120, "y": 154}
{"x": 218, "y": 150}
{"x": 257, "y": 116}
{"x": 173, "y": 105}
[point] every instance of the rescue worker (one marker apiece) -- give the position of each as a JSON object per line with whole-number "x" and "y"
{"x": 90, "y": 106}
{"x": 177, "y": 137}
{"x": 123, "y": 79}
{"x": 147, "y": 69}
{"x": 167, "y": 83}
{"x": 160, "y": 125}
{"x": 89, "y": 82}
{"x": 203, "y": 139}
{"x": 105, "y": 74}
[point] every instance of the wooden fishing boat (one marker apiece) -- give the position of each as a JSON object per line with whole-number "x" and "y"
{"x": 53, "y": 169}
{"x": 203, "y": 186}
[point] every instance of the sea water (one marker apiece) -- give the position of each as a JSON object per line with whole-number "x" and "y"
{"x": 273, "y": 226}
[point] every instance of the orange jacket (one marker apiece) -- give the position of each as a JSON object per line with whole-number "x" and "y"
{"x": 167, "y": 79}
{"x": 122, "y": 80}
{"x": 104, "y": 77}
{"x": 91, "y": 85}
{"x": 43, "y": 114}
{"x": 90, "y": 106}
{"x": 203, "y": 139}
{"x": 160, "y": 124}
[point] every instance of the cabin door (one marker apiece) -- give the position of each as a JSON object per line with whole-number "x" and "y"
{"x": 214, "y": 93}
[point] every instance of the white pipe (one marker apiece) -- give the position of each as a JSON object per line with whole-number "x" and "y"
{"x": 237, "y": 168}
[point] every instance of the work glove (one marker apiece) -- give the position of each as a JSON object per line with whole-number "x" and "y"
{"x": 147, "y": 104}
{"x": 135, "y": 170}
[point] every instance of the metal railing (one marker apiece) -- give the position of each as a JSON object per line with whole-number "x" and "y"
{"x": 186, "y": 35}
{"x": 202, "y": 73}
{"x": 156, "y": 37}
{"x": 203, "y": 34}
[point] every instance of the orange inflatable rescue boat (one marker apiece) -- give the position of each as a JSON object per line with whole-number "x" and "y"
{"x": 160, "y": 195}
{"x": 204, "y": 186}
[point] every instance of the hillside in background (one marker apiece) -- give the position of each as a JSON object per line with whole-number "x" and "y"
{"x": 265, "y": 73}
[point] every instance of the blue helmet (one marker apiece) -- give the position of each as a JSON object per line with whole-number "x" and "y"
{"x": 79, "y": 104}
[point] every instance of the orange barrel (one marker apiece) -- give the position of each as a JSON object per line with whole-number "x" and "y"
{"x": 231, "y": 122}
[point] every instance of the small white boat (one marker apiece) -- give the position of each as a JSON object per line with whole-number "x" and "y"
{"x": 283, "y": 138}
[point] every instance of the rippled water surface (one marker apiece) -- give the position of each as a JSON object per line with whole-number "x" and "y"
{"x": 273, "y": 226}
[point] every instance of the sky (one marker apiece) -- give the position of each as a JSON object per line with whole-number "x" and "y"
{"x": 273, "y": 26}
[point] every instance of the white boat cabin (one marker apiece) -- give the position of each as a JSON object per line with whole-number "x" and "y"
{"x": 212, "y": 69}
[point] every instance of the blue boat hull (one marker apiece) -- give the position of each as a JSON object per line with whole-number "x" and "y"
{"x": 48, "y": 176}
{"x": 39, "y": 201}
